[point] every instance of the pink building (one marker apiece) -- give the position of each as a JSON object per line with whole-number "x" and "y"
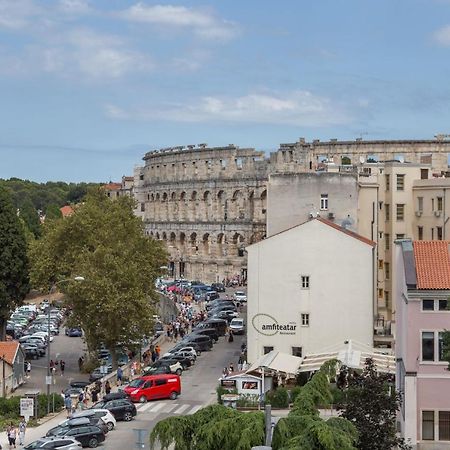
{"x": 422, "y": 293}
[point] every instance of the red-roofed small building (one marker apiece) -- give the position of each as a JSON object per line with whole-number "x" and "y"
{"x": 115, "y": 190}
{"x": 422, "y": 314}
{"x": 12, "y": 359}
{"x": 66, "y": 211}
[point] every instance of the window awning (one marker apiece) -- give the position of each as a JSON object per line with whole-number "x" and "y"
{"x": 277, "y": 362}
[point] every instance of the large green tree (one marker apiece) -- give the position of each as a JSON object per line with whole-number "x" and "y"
{"x": 103, "y": 242}
{"x": 14, "y": 283}
{"x": 371, "y": 404}
{"x": 219, "y": 428}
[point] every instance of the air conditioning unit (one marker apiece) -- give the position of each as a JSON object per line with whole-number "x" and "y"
{"x": 331, "y": 216}
{"x": 437, "y": 213}
{"x": 418, "y": 213}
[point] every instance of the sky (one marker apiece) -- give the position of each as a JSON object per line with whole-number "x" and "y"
{"x": 88, "y": 86}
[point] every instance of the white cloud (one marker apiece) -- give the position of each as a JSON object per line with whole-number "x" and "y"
{"x": 298, "y": 108}
{"x": 74, "y": 7}
{"x": 442, "y": 36}
{"x": 16, "y": 14}
{"x": 203, "y": 23}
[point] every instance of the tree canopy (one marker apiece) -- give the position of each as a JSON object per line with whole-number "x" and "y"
{"x": 103, "y": 242}
{"x": 371, "y": 404}
{"x": 14, "y": 283}
{"x": 220, "y": 428}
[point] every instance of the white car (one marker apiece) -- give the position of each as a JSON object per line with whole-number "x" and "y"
{"x": 103, "y": 414}
{"x": 190, "y": 350}
{"x": 44, "y": 334}
{"x": 240, "y": 296}
{"x": 63, "y": 443}
{"x": 237, "y": 325}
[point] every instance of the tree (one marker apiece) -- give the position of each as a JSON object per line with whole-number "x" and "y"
{"x": 371, "y": 404}
{"x": 52, "y": 212}
{"x": 14, "y": 283}
{"x": 219, "y": 428}
{"x": 104, "y": 242}
{"x": 30, "y": 216}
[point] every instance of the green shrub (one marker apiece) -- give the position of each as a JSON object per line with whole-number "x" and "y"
{"x": 221, "y": 390}
{"x": 248, "y": 400}
{"x": 293, "y": 393}
{"x": 278, "y": 398}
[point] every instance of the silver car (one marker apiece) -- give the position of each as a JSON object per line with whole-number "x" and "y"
{"x": 60, "y": 443}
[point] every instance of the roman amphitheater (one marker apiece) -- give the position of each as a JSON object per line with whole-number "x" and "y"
{"x": 208, "y": 204}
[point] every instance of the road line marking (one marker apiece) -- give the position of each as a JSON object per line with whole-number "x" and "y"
{"x": 146, "y": 406}
{"x": 181, "y": 409}
{"x": 170, "y": 408}
{"x": 194, "y": 409}
{"x": 158, "y": 406}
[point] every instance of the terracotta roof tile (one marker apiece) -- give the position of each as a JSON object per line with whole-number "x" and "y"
{"x": 8, "y": 350}
{"x": 66, "y": 210}
{"x": 432, "y": 264}
{"x": 112, "y": 186}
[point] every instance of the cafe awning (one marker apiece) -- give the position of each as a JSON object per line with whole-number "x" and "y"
{"x": 277, "y": 362}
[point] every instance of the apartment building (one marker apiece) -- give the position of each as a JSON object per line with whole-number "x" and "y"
{"x": 422, "y": 295}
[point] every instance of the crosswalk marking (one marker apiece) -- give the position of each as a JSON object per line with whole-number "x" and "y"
{"x": 195, "y": 409}
{"x": 146, "y": 406}
{"x": 170, "y": 408}
{"x": 181, "y": 409}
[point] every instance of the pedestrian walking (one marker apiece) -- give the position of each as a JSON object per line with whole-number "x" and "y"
{"x": 22, "y": 429}
{"x": 80, "y": 363}
{"x": 231, "y": 368}
{"x": 94, "y": 395}
{"x": 28, "y": 369}
{"x": 158, "y": 350}
{"x": 68, "y": 405}
{"x": 62, "y": 366}
{"x": 86, "y": 397}
{"x": 52, "y": 365}
{"x": 225, "y": 372}
{"x": 240, "y": 363}
{"x": 107, "y": 388}
{"x": 230, "y": 336}
{"x": 11, "y": 432}
{"x": 119, "y": 376}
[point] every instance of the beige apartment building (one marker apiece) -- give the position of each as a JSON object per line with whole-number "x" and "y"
{"x": 381, "y": 201}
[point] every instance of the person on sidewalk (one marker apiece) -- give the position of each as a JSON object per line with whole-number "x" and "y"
{"x": 107, "y": 388}
{"x": 28, "y": 368}
{"x": 68, "y": 405}
{"x": 62, "y": 366}
{"x": 11, "y": 433}
{"x": 22, "y": 429}
{"x": 119, "y": 376}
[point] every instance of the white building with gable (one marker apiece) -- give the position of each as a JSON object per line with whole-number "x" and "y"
{"x": 310, "y": 288}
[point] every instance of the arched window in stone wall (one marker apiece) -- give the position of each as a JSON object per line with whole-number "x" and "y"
{"x": 157, "y": 197}
{"x": 173, "y": 197}
{"x": 193, "y": 242}
{"x": 173, "y": 207}
{"x": 172, "y": 238}
{"x": 237, "y": 209}
{"x": 164, "y": 236}
{"x": 182, "y": 207}
{"x": 157, "y": 236}
{"x": 206, "y": 244}
{"x": 193, "y": 207}
{"x": 238, "y": 245}
{"x": 221, "y": 245}
{"x": 207, "y": 208}
{"x": 251, "y": 204}
{"x": 164, "y": 207}
{"x": 182, "y": 239}
{"x": 221, "y": 205}
{"x": 152, "y": 197}
{"x": 164, "y": 197}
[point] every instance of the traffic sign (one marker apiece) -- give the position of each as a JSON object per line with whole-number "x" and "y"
{"x": 27, "y": 407}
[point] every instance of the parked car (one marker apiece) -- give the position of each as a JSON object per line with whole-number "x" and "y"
{"x": 211, "y": 332}
{"x": 182, "y": 346}
{"x": 220, "y": 325}
{"x": 204, "y": 342}
{"x": 68, "y": 424}
{"x": 121, "y": 409}
{"x": 154, "y": 387}
{"x": 219, "y": 302}
{"x": 94, "y": 414}
{"x": 237, "y": 325}
{"x": 191, "y": 355}
{"x": 74, "y": 332}
{"x": 226, "y": 315}
{"x": 174, "y": 366}
{"x": 96, "y": 374}
{"x": 87, "y": 435}
{"x": 219, "y": 287}
{"x": 211, "y": 295}
{"x": 183, "y": 360}
{"x": 240, "y": 296}
{"x": 56, "y": 442}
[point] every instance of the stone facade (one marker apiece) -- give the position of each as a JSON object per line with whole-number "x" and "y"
{"x": 207, "y": 204}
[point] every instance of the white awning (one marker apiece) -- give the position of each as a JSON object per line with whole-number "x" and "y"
{"x": 277, "y": 362}
{"x": 354, "y": 355}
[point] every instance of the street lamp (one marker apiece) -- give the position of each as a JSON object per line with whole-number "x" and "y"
{"x": 48, "y": 380}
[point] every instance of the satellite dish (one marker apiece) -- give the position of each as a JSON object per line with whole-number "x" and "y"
{"x": 362, "y": 160}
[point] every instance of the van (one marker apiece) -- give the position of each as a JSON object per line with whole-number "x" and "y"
{"x": 204, "y": 342}
{"x": 220, "y": 325}
{"x": 153, "y": 387}
{"x": 211, "y": 332}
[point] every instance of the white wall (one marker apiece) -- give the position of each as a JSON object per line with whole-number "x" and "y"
{"x": 339, "y": 300}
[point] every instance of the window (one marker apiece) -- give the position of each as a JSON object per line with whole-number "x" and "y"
{"x": 440, "y": 342}
{"x": 440, "y": 204}
{"x": 141, "y": 177}
{"x": 380, "y": 293}
{"x": 267, "y": 350}
{"x": 380, "y": 264}
{"x": 444, "y": 425}
{"x": 387, "y": 270}
{"x": 160, "y": 382}
{"x": 305, "y": 282}
{"x": 419, "y": 203}
{"x": 142, "y": 207}
{"x": 420, "y": 233}
{"x": 400, "y": 211}
{"x": 387, "y": 211}
{"x": 297, "y": 351}
{"x": 400, "y": 182}
{"x": 323, "y": 202}
{"x": 387, "y": 179}
{"x": 387, "y": 239}
{"x": 439, "y": 233}
{"x": 400, "y": 236}
{"x": 443, "y": 305}
{"x": 238, "y": 163}
{"x": 147, "y": 384}
{"x": 386, "y": 299}
{"x": 427, "y": 346}
{"x": 305, "y": 320}
{"x": 432, "y": 204}
{"x": 432, "y": 233}
{"x": 428, "y": 425}
{"x": 427, "y": 305}
{"x": 223, "y": 163}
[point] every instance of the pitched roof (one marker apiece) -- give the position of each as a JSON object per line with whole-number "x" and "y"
{"x": 346, "y": 231}
{"x": 112, "y": 186}
{"x": 8, "y": 350}
{"x": 432, "y": 264}
{"x": 66, "y": 210}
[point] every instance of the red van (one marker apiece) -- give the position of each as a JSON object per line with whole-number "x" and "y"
{"x": 153, "y": 387}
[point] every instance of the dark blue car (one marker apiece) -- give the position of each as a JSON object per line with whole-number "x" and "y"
{"x": 74, "y": 332}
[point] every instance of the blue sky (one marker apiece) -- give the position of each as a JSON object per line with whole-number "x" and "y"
{"x": 86, "y": 87}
